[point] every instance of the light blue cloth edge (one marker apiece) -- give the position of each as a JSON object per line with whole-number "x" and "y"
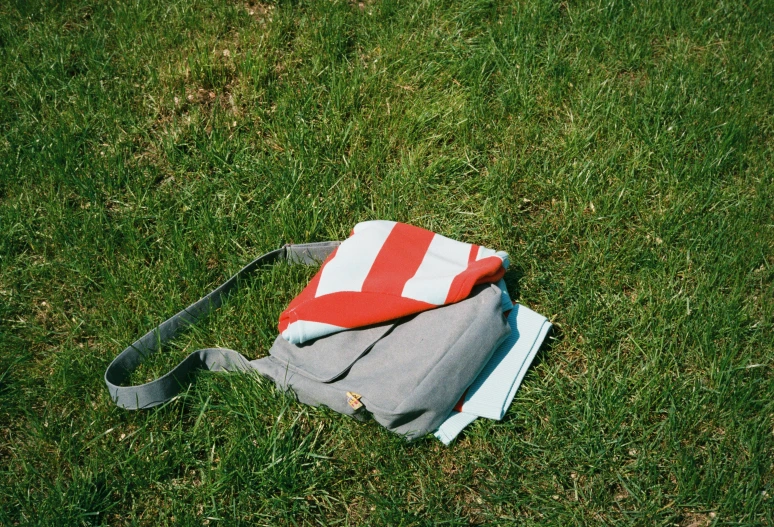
{"x": 458, "y": 421}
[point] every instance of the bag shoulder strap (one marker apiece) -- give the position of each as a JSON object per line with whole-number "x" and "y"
{"x": 165, "y": 388}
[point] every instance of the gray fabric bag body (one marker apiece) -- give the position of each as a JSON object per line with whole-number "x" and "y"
{"x": 408, "y": 374}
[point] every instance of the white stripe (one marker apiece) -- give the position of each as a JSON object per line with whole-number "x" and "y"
{"x": 303, "y": 330}
{"x": 363, "y": 225}
{"x": 349, "y": 268}
{"x": 483, "y": 252}
{"x": 443, "y": 261}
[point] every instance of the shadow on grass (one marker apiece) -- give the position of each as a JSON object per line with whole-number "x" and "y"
{"x": 512, "y": 279}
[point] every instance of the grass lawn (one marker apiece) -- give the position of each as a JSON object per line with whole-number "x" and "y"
{"x": 621, "y": 152}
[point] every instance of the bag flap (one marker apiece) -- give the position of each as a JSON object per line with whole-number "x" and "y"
{"x": 329, "y": 357}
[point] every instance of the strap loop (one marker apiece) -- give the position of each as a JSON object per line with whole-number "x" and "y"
{"x": 165, "y": 388}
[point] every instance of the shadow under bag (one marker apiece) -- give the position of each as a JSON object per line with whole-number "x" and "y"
{"x": 408, "y": 374}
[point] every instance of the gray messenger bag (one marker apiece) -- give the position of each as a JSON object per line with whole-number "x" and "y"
{"x": 407, "y": 374}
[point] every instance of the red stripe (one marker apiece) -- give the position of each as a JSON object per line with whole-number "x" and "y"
{"x": 398, "y": 259}
{"x": 494, "y": 276}
{"x": 460, "y": 279}
{"x": 481, "y": 272}
{"x": 350, "y": 309}
{"x": 458, "y": 406}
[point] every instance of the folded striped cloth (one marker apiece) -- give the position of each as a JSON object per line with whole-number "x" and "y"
{"x": 384, "y": 271}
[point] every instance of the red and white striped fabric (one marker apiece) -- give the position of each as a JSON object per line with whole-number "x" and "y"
{"x": 383, "y": 271}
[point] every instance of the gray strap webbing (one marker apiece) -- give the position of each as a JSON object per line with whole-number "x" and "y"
{"x": 165, "y": 388}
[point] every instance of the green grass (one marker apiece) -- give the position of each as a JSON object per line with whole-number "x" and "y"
{"x": 621, "y": 152}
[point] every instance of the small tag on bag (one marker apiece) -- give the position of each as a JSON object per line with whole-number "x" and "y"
{"x": 354, "y": 400}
